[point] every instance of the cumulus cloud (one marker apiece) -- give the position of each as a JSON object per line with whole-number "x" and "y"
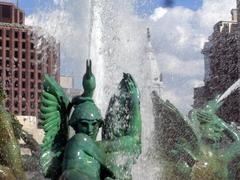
{"x": 158, "y": 13}
{"x": 171, "y": 64}
{"x": 178, "y": 35}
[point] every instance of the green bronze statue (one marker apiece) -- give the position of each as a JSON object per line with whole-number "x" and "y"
{"x": 201, "y": 148}
{"x": 82, "y": 157}
{"x": 11, "y": 167}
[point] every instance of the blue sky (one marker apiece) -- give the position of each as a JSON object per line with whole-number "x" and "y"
{"x": 30, "y": 6}
{"x": 178, "y": 35}
{"x": 148, "y": 8}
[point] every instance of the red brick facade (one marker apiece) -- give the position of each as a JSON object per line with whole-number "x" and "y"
{"x": 23, "y": 62}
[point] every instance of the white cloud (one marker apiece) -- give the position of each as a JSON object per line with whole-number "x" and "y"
{"x": 158, "y": 13}
{"x": 178, "y": 36}
{"x": 171, "y": 64}
{"x": 68, "y": 23}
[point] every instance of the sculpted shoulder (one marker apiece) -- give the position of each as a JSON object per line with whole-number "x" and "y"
{"x": 82, "y": 142}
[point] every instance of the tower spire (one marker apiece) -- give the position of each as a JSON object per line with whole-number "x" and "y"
{"x": 155, "y": 75}
{"x": 148, "y": 34}
{"x": 17, "y": 3}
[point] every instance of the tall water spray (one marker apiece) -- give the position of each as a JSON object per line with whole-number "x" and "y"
{"x": 95, "y": 47}
{"x": 117, "y": 44}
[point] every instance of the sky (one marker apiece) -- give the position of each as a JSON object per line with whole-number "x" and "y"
{"x": 142, "y": 7}
{"x": 178, "y": 35}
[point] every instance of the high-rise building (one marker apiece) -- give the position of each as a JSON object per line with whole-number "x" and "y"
{"x": 222, "y": 67}
{"x": 67, "y": 83}
{"x": 156, "y": 83}
{"x": 25, "y": 56}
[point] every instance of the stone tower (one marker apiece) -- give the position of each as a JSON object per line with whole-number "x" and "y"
{"x": 238, "y": 10}
{"x": 156, "y": 76}
{"x": 222, "y": 67}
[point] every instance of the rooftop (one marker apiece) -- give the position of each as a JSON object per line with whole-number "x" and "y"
{"x": 10, "y": 13}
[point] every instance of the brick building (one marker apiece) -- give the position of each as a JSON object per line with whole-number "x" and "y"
{"x": 24, "y": 57}
{"x": 222, "y": 67}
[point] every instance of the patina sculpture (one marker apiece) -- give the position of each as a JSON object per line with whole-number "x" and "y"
{"x": 201, "y": 148}
{"x": 81, "y": 156}
{"x": 11, "y": 167}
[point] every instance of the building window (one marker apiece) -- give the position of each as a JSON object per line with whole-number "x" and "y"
{"x": 0, "y": 43}
{"x": 15, "y": 94}
{"x": 32, "y": 75}
{"x": 7, "y": 33}
{"x": 23, "y": 64}
{"x": 39, "y": 56}
{"x": 6, "y": 11}
{"x": 31, "y": 85}
{"x": 16, "y": 104}
{"x": 32, "y": 46}
{"x": 16, "y": 54}
{"x": 21, "y": 17}
{"x": 23, "y": 55}
{"x": 16, "y": 44}
{"x": 16, "y": 74}
{"x": 8, "y": 103}
{"x": 39, "y": 86}
{"x": 32, "y": 55}
{"x": 16, "y": 34}
{"x": 7, "y": 53}
{"x": 7, "y": 63}
{"x": 23, "y": 84}
{"x": 23, "y": 75}
{"x": 24, "y": 35}
{"x": 32, "y": 65}
{"x": 32, "y": 94}
{"x": 7, "y": 44}
{"x": 32, "y": 106}
{"x": 23, "y": 45}
{"x": 39, "y": 67}
{"x": 16, "y": 64}
{"x": 39, "y": 76}
{"x": 16, "y": 84}
{"x": 8, "y": 73}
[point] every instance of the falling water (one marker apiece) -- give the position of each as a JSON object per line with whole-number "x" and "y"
{"x": 229, "y": 91}
{"x": 95, "y": 47}
{"x": 118, "y": 43}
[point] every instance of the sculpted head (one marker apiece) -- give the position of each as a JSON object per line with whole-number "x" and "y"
{"x": 86, "y": 118}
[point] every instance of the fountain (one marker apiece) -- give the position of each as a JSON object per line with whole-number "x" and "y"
{"x": 116, "y": 45}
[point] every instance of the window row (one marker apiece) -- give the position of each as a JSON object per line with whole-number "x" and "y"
{"x": 16, "y": 44}
{"x": 16, "y": 33}
{"x": 16, "y": 64}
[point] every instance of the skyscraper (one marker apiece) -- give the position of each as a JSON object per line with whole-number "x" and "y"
{"x": 222, "y": 67}
{"x": 25, "y": 56}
